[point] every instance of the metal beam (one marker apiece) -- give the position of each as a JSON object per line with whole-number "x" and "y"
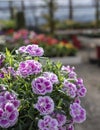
{"x": 43, "y": 6}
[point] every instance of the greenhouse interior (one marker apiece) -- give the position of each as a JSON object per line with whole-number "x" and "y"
{"x": 49, "y": 65}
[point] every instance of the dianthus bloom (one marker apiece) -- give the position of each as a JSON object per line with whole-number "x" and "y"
{"x": 81, "y": 92}
{"x": 79, "y": 81}
{"x": 29, "y": 67}
{"x": 51, "y": 76}
{"x": 61, "y": 118}
{"x": 45, "y": 105}
{"x": 77, "y": 100}
{"x": 70, "y": 71}
{"x": 35, "y": 50}
{"x": 32, "y": 50}
{"x": 22, "y": 49}
{"x": 41, "y": 86}
{"x": 77, "y": 112}
{"x": 69, "y": 88}
{"x": 48, "y": 123}
{"x": 8, "y": 109}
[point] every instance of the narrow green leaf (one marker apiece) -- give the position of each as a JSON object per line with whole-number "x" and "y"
{"x": 31, "y": 126}
{"x": 20, "y": 127}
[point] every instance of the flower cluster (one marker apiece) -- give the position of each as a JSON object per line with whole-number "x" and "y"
{"x": 70, "y": 71}
{"x": 81, "y": 91}
{"x": 48, "y": 123}
{"x": 7, "y": 71}
{"x": 56, "y": 121}
{"x": 29, "y": 67}
{"x": 8, "y": 108}
{"x": 63, "y": 122}
{"x": 32, "y": 50}
{"x": 78, "y": 113}
{"x": 49, "y": 94}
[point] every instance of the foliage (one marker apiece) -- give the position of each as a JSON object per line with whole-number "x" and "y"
{"x": 6, "y": 24}
{"x": 59, "y": 50}
{"x": 69, "y": 24}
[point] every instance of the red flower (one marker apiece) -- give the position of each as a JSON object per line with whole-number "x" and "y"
{"x": 10, "y": 31}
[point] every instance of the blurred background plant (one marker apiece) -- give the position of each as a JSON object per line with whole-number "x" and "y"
{"x": 53, "y": 46}
{"x": 7, "y": 24}
{"x": 49, "y": 17}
